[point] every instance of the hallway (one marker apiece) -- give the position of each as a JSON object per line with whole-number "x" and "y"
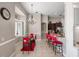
{"x": 41, "y": 50}
{"x": 29, "y": 21}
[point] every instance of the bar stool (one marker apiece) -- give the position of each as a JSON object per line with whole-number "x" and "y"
{"x": 57, "y": 44}
{"x": 48, "y": 38}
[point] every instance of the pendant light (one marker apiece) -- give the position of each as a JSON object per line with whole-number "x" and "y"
{"x": 31, "y": 21}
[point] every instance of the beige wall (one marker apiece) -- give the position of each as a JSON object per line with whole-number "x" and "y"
{"x": 7, "y": 30}
{"x": 36, "y": 28}
{"x": 7, "y": 26}
{"x": 44, "y": 19}
{"x": 8, "y": 49}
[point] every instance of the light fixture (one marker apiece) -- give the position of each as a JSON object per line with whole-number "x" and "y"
{"x": 31, "y": 20}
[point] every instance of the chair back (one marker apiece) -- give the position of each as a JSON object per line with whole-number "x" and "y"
{"x": 31, "y": 35}
{"x": 48, "y": 36}
{"x": 25, "y": 40}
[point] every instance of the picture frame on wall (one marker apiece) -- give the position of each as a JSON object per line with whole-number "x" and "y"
{"x": 5, "y": 13}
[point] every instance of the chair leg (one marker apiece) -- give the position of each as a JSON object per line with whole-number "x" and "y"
{"x": 55, "y": 49}
{"x": 49, "y": 43}
{"x": 62, "y": 50}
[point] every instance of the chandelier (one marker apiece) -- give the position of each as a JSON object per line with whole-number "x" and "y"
{"x": 31, "y": 19}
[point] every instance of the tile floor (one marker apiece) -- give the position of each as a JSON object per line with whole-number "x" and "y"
{"x": 41, "y": 50}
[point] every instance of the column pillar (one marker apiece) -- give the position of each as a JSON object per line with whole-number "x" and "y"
{"x": 70, "y": 50}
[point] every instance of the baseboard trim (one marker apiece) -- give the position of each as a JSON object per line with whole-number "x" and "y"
{"x": 6, "y": 42}
{"x": 13, "y": 54}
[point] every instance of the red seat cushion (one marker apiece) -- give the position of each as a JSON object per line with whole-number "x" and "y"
{"x": 57, "y": 42}
{"x": 29, "y": 48}
{"x": 54, "y": 38}
{"x": 49, "y": 37}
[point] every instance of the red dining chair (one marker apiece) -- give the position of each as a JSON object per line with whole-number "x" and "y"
{"x": 49, "y": 40}
{"x": 32, "y": 41}
{"x": 26, "y": 44}
{"x": 57, "y": 44}
{"x": 46, "y": 35}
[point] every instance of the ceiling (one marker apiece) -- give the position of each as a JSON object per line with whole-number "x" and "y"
{"x": 46, "y": 8}
{"x": 18, "y": 11}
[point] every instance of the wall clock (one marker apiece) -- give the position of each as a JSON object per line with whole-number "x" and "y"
{"x": 5, "y": 13}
